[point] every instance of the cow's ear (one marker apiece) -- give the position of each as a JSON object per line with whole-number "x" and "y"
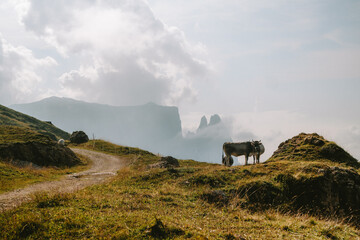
{"x": 260, "y": 141}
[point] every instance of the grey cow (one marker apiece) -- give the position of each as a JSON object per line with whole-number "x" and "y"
{"x": 253, "y": 148}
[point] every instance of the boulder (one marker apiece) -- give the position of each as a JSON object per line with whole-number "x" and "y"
{"x": 38, "y": 154}
{"x": 166, "y": 162}
{"x": 79, "y": 137}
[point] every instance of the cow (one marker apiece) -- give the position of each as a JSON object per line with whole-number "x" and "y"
{"x": 258, "y": 150}
{"x": 253, "y": 148}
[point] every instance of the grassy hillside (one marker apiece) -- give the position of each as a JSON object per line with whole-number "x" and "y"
{"x": 14, "y": 177}
{"x": 27, "y": 157}
{"x": 312, "y": 147}
{"x": 15, "y": 134}
{"x": 194, "y": 201}
{"x": 20, "y": 144}
{"x": 14, "y": 118}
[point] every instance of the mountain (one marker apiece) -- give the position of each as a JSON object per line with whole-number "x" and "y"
{"x": 148, "y": 126}
{"x": 14, "y": 118}
{"x": 203, "y": 123}
{"x": 206, "y": 143}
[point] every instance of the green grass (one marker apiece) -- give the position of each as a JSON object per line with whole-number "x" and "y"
{"x": 14, "y": 177}
{"x": 312, "y": 147}
{"x": 15, "y": 134}
{"x": 141, "y": 203}
{"x": 10, "y": 117}
{"x": 136, "y": 156}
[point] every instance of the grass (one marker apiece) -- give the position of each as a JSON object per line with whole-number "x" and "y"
{"x": 15, "y": 134}
{"x": 10, "y": 117}
{"x": 141, "y": 203}
{"x": 312, "y": 147}
{"x": 14, "y": 177}
{"x": 136, "y": 156}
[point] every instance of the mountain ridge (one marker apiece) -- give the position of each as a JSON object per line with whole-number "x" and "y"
{"x": 141, "y": 125}
{"x": 150, "y": 126}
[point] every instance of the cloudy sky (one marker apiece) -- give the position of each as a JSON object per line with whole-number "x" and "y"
{"x": 271, "y": 69}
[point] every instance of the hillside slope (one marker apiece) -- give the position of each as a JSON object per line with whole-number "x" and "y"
{"x": 14, "y": 118}
{"x": 21, "y": 145}
{"x": 312, "y": 147}
{"x": 193, "y": 201}
{"x": 28, "y": 157}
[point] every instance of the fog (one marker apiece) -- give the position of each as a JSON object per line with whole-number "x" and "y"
{"x": 150, "y": 126}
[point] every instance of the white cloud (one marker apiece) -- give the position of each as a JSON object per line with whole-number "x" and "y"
{"x": 20, "y": 73}
{"x": 141, "y": 58}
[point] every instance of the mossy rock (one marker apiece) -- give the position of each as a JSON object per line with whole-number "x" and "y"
{"x": 312, "y": 147}
{"x": 20, "y": 144}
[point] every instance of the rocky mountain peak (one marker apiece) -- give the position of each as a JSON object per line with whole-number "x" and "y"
{"x": 203, "y": 123}
{"x": 214, "y": 119}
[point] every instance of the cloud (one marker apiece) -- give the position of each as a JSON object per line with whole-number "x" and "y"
{"x": 20, "y": 73}
{"x": 125, "y": 55}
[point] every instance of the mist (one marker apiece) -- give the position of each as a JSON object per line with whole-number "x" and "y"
{"x": 270, "y": 70}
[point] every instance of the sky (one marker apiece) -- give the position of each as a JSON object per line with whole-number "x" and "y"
{"x": 270, "y": 69}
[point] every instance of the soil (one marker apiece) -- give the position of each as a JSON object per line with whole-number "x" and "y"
{"x": 104, "y": 166}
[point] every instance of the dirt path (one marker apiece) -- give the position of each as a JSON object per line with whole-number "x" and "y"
{"x": 104, "y": 166}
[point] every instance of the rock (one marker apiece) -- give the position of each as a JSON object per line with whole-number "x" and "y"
{"x": 341, "y": 190}
{"x": 40, "y": 154}
{"x": 314, "y": 140}
{"x": 170, "y": 161}
{"x": 214, "y": 119}
{"x": 335, "y": 192}
{"x": 203, "y": 123}
{"x": 61, "y": 142}
{"x": 79, "y": 137}
{"x": 166, "y": 162}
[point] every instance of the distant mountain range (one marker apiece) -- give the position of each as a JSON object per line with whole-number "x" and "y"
{"x": 130, "y": 125}
{"x": 150, "y": 126}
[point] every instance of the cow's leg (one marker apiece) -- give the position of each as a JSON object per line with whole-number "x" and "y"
{"x": 258, "y": 159}
{"x": 246, "y": 159}
{"x": 231, "y": 161}
{"x": 228, "y": 161}
{"x": 254, "y": 158}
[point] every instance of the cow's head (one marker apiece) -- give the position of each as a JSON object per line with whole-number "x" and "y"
{"x": 256, "y": 146}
